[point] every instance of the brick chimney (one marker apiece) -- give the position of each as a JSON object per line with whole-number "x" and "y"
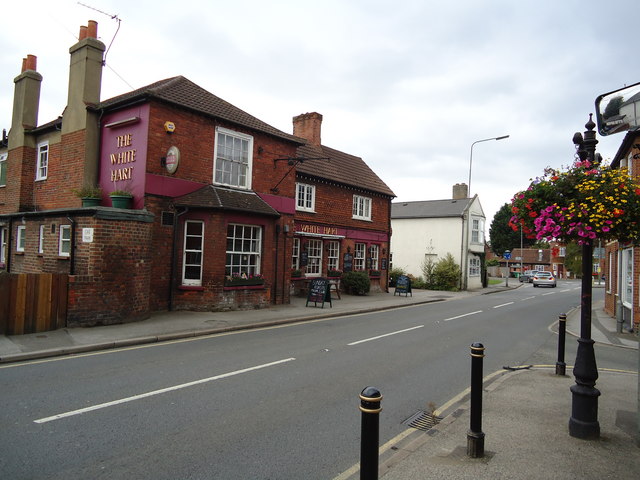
{"x": 26, "y": 101}
{"x": 308, "y": 126}
{"x": 17, "y": 195}
{"x": 85, "y": 81}
{"x": 460, "y": 191}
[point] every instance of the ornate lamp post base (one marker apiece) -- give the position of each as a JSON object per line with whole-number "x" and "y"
{"x": 584, "y": 400}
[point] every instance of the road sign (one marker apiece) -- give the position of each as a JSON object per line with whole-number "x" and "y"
{"x": 507, "y": 255}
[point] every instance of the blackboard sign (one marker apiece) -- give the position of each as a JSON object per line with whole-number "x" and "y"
{"x": 304, "y": 259}
{"x": 319, "y": 292}
{"x": 383, "y": 264}
{"x": 347, "y": 262}
{"x": 403, "y": 286}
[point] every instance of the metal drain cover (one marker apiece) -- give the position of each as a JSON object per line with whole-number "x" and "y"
{"x": 422, "y": 420}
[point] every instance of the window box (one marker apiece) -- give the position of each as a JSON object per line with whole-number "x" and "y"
{"x": 374, "y": 273}
{"x": 334, "y": 274}
{"x": 239, "y": 281}
{"x": 226, "y": 288}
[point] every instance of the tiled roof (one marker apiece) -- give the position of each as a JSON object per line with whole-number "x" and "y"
{"x": 222, "y": 198}
{"x": 430, "y": 208}
{"x": 340, "y": 168}
{"x": 182, "y": 92}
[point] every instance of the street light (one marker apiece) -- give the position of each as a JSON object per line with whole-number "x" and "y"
{"x": 471, "y": 156}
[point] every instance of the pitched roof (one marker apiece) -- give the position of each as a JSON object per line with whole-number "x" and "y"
{"x": 211, "y": 196}
{"x": 182, "y": 92}
{"x": 340, "y": 168}
{"x": 430, "y": 208}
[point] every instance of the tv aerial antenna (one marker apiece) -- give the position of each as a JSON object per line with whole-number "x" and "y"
{"x": 112, "y": 17}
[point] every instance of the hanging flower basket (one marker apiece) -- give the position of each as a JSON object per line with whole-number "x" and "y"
{"x": 581, "y": 203}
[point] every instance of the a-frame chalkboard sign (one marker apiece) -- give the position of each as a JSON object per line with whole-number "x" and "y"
{"x": 319, "y": 292}
{"x": 403, "y": 286}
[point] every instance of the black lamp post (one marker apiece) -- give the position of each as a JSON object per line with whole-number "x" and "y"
{"x": 584, "y": 406}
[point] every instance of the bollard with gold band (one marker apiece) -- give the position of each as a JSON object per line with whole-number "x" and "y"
{"x": 475, "y": 436}
{"x": 370, "y": 407}
{"x": 561, "y": 367}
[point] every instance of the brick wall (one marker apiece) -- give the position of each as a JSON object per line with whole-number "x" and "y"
{"x": 195, "y": 137}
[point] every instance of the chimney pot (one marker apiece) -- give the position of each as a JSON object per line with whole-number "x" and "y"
{"x": 24, "y": 65}
{"x": 83, "y": 33}
{"x": 92, "y": 29}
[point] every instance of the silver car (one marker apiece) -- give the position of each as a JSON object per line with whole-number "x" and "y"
{"x": 544, "y": 278}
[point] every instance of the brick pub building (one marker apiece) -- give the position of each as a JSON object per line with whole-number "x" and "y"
{"x": 219, "y": 211}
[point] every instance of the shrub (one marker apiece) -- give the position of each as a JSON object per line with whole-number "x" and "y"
{"x": 393, "y": 274}
{"x": 446, "y": 274}
{"x": 356, "y": 283}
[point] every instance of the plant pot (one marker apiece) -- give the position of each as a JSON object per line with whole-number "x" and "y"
{"x": 90, "y": 201}
{"x": 121, "y": 201}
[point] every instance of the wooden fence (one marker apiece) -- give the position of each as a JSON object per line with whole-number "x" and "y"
{"x": 32, "y": 302}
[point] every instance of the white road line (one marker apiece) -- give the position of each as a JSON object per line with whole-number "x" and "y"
{"x": 463, "y": 315}
{"x": 549, "y": 293}
{"x": 503, "y": 305}
{"x": 385, "y": 335}
{"x": 157, "y": 392}
{"x": 565, "y": 290}
{"x": 527, "y": 298}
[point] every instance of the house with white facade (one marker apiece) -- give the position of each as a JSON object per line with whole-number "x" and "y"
{"x": 431, "y": 229}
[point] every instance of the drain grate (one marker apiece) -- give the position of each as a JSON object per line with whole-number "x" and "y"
{"x": 422, "y": 420}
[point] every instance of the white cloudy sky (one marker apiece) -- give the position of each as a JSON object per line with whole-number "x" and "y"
{"x": 407, "y": 85}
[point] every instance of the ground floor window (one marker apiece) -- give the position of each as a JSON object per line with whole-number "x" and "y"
{"x": 359, "y": 256}
{"x": 192, "y": 255}
{"x": 3, "y": 245}
{"x": 374, "y": 255}
{"x": 314, "y": 250}
{"x": 295, "y": 254}
{"x": 64, "y": 243}
{"x": 627, "y": 277}
{"x": 474, "y": 267}
{"x": 333, "y": 255}
{"x": 21, "y": 238}
{"x": 244, "y": 247}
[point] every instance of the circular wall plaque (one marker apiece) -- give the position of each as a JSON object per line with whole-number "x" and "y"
{"x": 172, "y": 159}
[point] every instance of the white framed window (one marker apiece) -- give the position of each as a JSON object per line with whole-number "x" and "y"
{"x": 41, "y": 240}
{"x": 3, "y": 169}
{"x": 314, "y": 250}
{"x": 474, "y": 267}
{"x": 562, "y": 251}
{"x": 295, "y": 254}
{"x": 361, "y": 207}
{"x": 626, "y": 290}
{"x": 3, "y": 245}
{"x": 609, "y": 276}
{"x": 42, "y": 162}
{"x": 233, "y": 158}
{"x": 64, "y": 243}
{"x": 305, "y": 197}
{"x": 192, "y": 253}
{"x": 333, "y": 255}
{"x": 21, "y": 238}
{"x": 244, "y": 248}
{"x": 374, "y": 255}
{"x": 477, "y": 230}
{"x": 359, "y": 252}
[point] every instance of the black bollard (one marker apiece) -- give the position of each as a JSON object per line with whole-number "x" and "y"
{"x": 561, "y": 367}
{"x": 370, "y": 399}
{"x": 475, "y": 436}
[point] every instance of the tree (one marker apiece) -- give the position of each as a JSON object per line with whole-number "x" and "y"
{"x": 613, "y": 107}
{"x": 573, "y": 259}
{"x": 502, "y": 236}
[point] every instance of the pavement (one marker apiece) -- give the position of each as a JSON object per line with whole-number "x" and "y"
{"x": 525, "y": 411}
